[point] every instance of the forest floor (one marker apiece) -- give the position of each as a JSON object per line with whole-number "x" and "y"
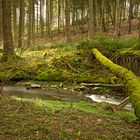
{"x": 53, "y": 120}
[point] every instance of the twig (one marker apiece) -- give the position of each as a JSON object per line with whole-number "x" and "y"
{"x": 69, "y": 66}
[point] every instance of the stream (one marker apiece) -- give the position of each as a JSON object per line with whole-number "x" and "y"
{"x": 59, "y": 94}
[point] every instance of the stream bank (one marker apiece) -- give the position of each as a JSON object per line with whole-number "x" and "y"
{"x": 70, "y": 64}
{"x": 68, "y": 113}
{"x": 61, "y": 92}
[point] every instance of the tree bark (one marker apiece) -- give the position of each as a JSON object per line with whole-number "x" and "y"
{"x": 37, "y": 19}
{"x": 21, "y": 23}
{"x": 50, "y": 19}
{"x": 139, "y": 33}
{"x": 132, "y": 82}
{"x": 8, "y": 46}
{"x": 47, "y": 17}
{"x": 33, "y": 22}
{"x": 117, "y": 24}
{"x": 90, "y": 19}
{"x": 68, "y": 26}
{"x": 14, "y": 12}
{"x": 130, "y": 16}
{"x": 0, "y": 20}
{"x": 42, "y": 17}
{"x": 59, "y": 15}
{"x": 30, "y": 23}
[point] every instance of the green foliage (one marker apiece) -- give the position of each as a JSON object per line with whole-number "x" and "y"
{"x": 63, "y": 45}
{"x": 49, "y": 75}
{"x": 84, "y": 77}
{"x": 66, "y": 62}
{"x": 51, "y": 106}
{"x": 88, "y": 77}
{"x": 21, "y": 74}
{"x": 136, "y": 46}
{"x": 108, "y": 43}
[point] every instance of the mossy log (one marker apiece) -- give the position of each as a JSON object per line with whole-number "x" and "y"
{"x": 132, "y": 82}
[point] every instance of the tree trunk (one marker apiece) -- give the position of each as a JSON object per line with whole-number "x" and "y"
{"x": 63, "y": 16}
{"x": 8, "y": 46}
{"x": 30, "y": 23}
{"x": 132, "y": 82}
{"x": 139, "y": 33}
{"x": 37, "y": 19}
{"x": 124, "y": 10}
{"x": 73, "y": 18}
{"x": 117, "y": 20}
{"x": 82, "y": 16}
{"x": 47, "y": 17}
{"x": 42, "y": 17}
{"x": 14, "y": 13}
{"x": 107, "y": 17}
{"x": 59, "y": 15}
{"x": 0, "y": 20}
{"x": 68, "y": 26}
{"x": 33, "y": 22}
{"x": 90, "y": 19}
{"x": 21, "y": 23}
{"x": 50, "y": 18}
{"x": 130, "y": 16}
{"x": 103, "y": 17}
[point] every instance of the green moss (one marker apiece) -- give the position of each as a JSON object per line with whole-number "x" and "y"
{"x": 132, "y": 82}
{"x": 137, "y": 109}
{"x": 49, "y": 75}
{"x": 102, "y": 79}
{"x": 136, "y": 46}
{"x": 51, "y": 66}
{"x": 85, "y": 77}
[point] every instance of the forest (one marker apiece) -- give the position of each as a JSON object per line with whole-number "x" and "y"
{"x": 69, "y": 69}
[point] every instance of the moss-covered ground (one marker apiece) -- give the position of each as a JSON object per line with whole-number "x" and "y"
{"x": 52, "y": 120}
{"x": 24, "y": 119}
{"x": 64, "y": 62}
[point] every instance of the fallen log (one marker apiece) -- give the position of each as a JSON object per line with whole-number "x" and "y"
{"x": 113, "y": 108}
{"x": 132, "y": 82}
{"x": 102, "y": 85}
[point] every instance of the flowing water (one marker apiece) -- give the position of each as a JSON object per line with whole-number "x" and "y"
{"x": 59, "y": 94}
{"x": 50, "y": 94}
{"x": 112, "y": 100}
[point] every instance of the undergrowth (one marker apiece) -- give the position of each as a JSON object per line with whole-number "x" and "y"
{"x": 108, "y": 43}
{"x": 67, "y": 62}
